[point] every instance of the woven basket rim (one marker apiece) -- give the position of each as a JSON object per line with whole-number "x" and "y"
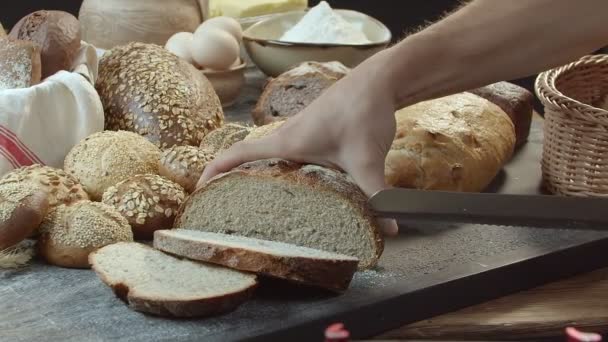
{"x": 547, "y": 92}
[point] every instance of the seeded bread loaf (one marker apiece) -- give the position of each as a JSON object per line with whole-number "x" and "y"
{"x": 153, "y": 282}
{"x": 282, "y": 201}
{"x": 148, "y": 90}
{"x": 514, "y": 100}
{"x": 70, "y": 233}
{"x": 295, "y": 89}
{"x": 19, "y": 64}
{"x": 224, "y": 137}
{"x": 148, "y": 202}
{"x": 56, "y": 33}
{"x": 264, "y": 130}
{"x": 275, "y": 259}
{"x": 184, "y": 165}
{"x": 22, "y": 207}
{"x": 106, "y": 158}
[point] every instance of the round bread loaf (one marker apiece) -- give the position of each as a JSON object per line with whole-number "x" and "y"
{"x": 57, "y": 33}
{"x": 106, "y": 158}
{"x": 148, "y": 90}
{"x": 2, "y": 31}
{"x": 22, "y": 208}
{"x": 71, "y": 233}
{"x": 148, "y": 202}
{"x": 184, "y": 165}
{"x": 262, "y": 131}
{"x": 292, "y": 91}
{"x": 224, "y": 137}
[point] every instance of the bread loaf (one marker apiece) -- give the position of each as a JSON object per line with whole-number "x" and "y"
{"x": 2, "y": 31}
{"x": 106, "y": 158}
{"x": 514, "y": 100}
{"x": 19, "y": 64}
{"x": 184, "y": 165}
{"x": 282, "y": 201}
{"x": 150, "y": 281}
{"x": 224, "y": 137}
{"x": 148, "y": 202}
{"x": 56, "y": 33}
{"x": 455, "y": 143}
{"x": 22, "y": 207}
{"x": 262, "y": 131}
{"x": 70, "y": 233}
{"x": 295, "y": 89}
{"x": 275, "y": 259}
{"x": 150, "y": 91}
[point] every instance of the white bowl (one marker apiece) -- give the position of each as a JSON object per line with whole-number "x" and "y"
{"x": 273, "y": 57}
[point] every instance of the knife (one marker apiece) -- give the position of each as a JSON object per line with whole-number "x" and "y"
{"x": 537, "y": 211}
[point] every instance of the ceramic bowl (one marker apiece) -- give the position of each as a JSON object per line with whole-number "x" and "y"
{"x": 273, "y": 57}
{"x": 227, "y": 83}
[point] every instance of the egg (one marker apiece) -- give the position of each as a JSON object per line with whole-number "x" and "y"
{"x": 180, "y": 44}
{"x": 227, "y": 24}
{"x": 214, "y": 49}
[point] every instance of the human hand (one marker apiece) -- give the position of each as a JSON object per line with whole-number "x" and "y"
{"x": 351, "y": 127}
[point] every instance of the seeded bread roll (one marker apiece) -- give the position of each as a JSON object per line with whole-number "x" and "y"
{"x": 262, "y": 131}
{"x": 148, "y": 90}
{"x": 148, "y": 202}
{"x": 224, "y": 137}
{"x": 106, "y": 158}
{"x": 56, "y": 33}
{"x": 295, "y": 89}
{"x": 19, "y": 64}
{"x": 184, "y": 165}
{"x": 71, "y": 233}
{"x": 22, "y": 207}
{"x": 2, "y": 31}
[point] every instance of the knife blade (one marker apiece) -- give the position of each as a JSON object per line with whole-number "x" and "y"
{"x": 538, "y": 211}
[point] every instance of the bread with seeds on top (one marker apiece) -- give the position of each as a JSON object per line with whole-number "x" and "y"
{"x": 148, "y": 90}
{"x": 225, "y": 136}
{"x": 70, "y": 233}
{"x": 148, "y": 202}
{"x": 106, "y": 158}
{"x": 184, "y": 165}
{"x": 22, "y": 207}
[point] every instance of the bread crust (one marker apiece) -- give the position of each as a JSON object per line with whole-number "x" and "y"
{"x": 19, "y": 64}
{"x": 331, "y": 274}
{"x": 148, "y": 90}
{"x": 24, "y": 218}
{"x": 191, "y": 307}
{"x": 184, "y": 165}
{"x": 316, "y": 177}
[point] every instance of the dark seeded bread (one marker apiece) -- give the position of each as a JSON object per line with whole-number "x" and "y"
{"x": 295, "y": 89}
{"x": 278, "y": 200}
{"x": 514, "y": 100}
{"x": 286, "y": 261}
{"x": 156, "y": 283}
{"x": 22, "y": 208}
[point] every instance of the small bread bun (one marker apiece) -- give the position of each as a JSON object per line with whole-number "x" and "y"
{"x": 70, "y": 233}
{"x": 2, "y": 31}
{"x": 106, "y": 158}
{"x": 148, "y": 202}
{"x": 184, "y": 165}
{"x": 57, "y": 33}
{"x": 22, "y": 208}
{"x": 222, "y": 138}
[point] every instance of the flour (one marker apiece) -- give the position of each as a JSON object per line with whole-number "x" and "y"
{"x": 322, "y": 25}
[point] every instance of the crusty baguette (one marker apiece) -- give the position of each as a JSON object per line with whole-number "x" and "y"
{"x": 153, "y": 282}
{"x": 280, "y": 260}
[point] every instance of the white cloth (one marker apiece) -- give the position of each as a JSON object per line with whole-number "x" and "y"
{"x": 41, "y": 124}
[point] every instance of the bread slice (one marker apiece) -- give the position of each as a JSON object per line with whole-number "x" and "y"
{"x": 19, "y": 64}
{"x": 276, "y": 259}
{"x": 283, "y": 201}
{"x": 156, "y": 283}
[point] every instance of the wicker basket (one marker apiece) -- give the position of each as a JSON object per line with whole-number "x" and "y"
{"x": 575, "y": 150}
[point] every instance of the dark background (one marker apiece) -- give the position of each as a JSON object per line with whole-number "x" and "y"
{"x": 399, "y": 16}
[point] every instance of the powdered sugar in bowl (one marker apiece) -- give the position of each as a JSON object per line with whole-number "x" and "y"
{"x": 319, "y": 34}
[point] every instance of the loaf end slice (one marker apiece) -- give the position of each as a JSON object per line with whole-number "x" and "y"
{"x": 279, "y": 200}
{"x": 275, "y": 259}
{"x": 156, "y": 283}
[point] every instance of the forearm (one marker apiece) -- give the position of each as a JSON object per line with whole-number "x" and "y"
{"x": 489, "y": 41}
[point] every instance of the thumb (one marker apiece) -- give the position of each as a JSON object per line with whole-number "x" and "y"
{"x": 370, "y": 178}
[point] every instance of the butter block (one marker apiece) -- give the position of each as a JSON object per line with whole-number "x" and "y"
{"x": 253, "y": 8}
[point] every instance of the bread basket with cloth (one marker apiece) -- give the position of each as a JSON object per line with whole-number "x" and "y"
{"x": 575, "y": 150}
{"x": 41, "y": 123}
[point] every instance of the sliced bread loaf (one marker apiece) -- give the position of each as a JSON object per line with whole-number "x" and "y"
{"x": 276, "y": 259}
{"x": 153, "y": 282}
{"x": 278, "y": 200}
